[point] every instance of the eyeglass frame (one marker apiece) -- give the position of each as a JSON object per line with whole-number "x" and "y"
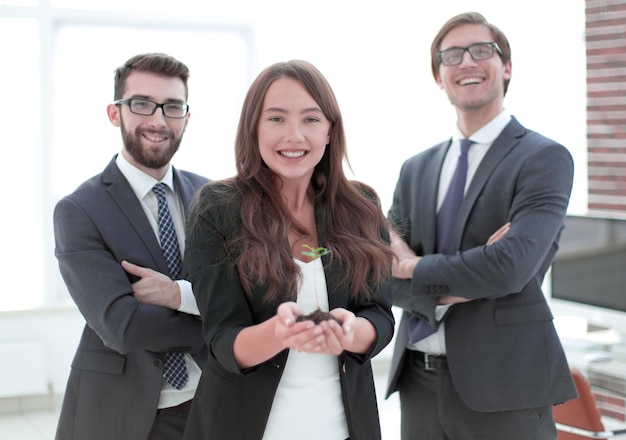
{"x": 493, "y": 44}
{"x": 157, "y": 105}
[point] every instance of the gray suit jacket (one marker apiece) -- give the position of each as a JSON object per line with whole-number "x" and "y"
{"x": 116, "y": 375}
{"x": 502, "y": 348}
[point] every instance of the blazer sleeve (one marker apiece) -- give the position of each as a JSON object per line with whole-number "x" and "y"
{"x": 91, "y": 239}
{"x": 531, "y": 190}
{"x": 219, "y": 293}
{"x": 409, "y": 214}
{"x": 378, "y": 312}
{"x": 377, "y": 308}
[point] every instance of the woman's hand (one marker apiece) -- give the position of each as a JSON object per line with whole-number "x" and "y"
{"x": 302, "y": 336}
{"x": 338, "y": 337}
{"x": 327, "y": 337}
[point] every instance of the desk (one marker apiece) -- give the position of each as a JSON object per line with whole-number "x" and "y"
{"x": 604, "y": 365}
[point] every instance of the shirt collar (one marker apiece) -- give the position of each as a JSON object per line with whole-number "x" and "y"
{"x": 489, "y": 132}
{"x": 140, "y": 182}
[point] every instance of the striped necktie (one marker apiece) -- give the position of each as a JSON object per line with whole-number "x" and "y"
{"x": 175, "y": 370}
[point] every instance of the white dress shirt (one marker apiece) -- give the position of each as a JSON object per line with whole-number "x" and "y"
{"x": 483, "y": 139}
{"x": 142, "y": 184}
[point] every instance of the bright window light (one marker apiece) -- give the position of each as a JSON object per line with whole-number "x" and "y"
{"x": 22, "y": 257}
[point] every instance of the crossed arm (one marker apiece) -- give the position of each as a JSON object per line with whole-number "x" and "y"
{"x": 405, "y": 259}
{"x": 154, "y": 287}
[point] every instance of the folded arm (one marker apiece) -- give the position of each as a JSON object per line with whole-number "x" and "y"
{"x": 89, "y": 249}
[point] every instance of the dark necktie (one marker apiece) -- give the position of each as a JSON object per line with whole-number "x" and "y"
{"x": 175, "y": 371}
{"x": 447, "y": 219}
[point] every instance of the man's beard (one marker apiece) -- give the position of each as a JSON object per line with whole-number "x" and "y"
{"x": 132, "y": 143}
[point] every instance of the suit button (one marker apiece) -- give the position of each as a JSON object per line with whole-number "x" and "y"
{"x": 158, "y": 362}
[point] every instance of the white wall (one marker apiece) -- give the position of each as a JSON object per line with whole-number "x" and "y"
{"x": 57, "y": 331}
{"x": 376, "y": 56}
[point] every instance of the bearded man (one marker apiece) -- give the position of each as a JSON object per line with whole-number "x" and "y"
{"x": 119, "y": 238}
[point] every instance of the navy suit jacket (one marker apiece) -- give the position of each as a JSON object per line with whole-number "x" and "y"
{"x": 503, "y": 351}
{"x": 116, "y": 377}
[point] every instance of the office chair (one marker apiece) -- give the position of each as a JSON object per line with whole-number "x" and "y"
{"x": 580, "y": 418}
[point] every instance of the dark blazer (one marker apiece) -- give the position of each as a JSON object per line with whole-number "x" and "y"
{"x": 116, "y": 377}
{"x": 235, "y": 404}
{"x": 502, "y": 348}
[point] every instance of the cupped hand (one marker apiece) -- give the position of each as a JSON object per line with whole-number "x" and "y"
{"x": 302, "y": 336}
{"x": 338, "y": 337}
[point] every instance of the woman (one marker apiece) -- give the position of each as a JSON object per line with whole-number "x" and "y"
{"x": 269, "y": 376}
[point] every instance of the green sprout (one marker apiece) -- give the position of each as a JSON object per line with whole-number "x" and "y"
{"x": 315, "y": 253}
{"x": 317, "y": 315}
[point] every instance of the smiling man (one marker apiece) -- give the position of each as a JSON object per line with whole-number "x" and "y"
{"x": 477, "y": 220}
{"x": 119, "y": 238}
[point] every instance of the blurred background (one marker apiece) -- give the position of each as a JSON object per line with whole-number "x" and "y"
{"x": 58, "y": 58}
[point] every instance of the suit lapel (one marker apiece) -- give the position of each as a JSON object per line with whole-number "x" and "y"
{"x": 185, "y": 189}
{"x": 187, "y": 192}
{"x": 500, "y": 148}
{"x": 123, "y": 195}
{"x": 432, "y": 174}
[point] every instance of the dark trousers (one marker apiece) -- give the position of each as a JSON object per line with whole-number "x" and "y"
{"x": 431, "y": 409}
{"x": 169, "y": 423}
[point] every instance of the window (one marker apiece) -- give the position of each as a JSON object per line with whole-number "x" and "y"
{"x": 58, "y": 135}
{"x": 85, "y": 141}
{"x": 22, "y": 257}
{"x": 59, "y": 79}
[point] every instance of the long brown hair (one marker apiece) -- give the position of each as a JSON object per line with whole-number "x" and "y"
{"x": 469, "y": 18}
{"x": 353, "y": 222}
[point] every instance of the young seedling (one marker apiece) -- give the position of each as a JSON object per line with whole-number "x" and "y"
{"x": 317, "y": 315}
{"x": 315, "y": 253}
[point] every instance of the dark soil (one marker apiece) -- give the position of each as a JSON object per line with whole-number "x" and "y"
{"x": 317, "y": 316}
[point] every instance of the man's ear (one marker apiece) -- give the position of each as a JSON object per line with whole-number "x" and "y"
{"x": 508, "y": 68}
{"x": 113, "y": 112}
{"x": 438, "y": 80}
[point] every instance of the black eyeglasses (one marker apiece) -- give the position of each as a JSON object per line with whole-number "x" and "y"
{"x": 478, "y": 52}
{"x": 145, "y": 107}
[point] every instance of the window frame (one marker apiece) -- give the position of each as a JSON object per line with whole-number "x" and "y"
{"x": 49, "y": 20}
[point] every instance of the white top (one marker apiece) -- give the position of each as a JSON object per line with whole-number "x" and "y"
{"x": 308, "y": 404}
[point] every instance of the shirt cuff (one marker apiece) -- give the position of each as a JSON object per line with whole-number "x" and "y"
{"x": 187, "y": 299}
